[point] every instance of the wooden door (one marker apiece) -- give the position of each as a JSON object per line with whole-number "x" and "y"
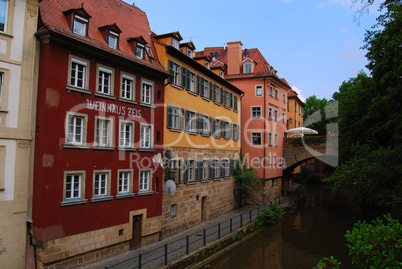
{"x": 135, "y": 241}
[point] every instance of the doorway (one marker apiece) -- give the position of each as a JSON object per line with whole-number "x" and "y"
{"x": 135, "y": 241}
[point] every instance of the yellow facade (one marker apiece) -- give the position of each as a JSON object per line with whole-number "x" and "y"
{"x": 295, "y": 112}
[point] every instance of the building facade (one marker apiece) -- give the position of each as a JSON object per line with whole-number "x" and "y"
{"x": 202, "y": 134}
{"x": 97, "y": 186}
{"x": 294, "y": 110}
{"x": 18, "y": 20}
{"x": 263, "y": 111}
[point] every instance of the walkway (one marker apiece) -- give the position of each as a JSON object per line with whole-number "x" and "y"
{"x": 197, "y": 230}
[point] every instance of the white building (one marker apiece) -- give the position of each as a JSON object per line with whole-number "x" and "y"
{"x": 18, "y": 23}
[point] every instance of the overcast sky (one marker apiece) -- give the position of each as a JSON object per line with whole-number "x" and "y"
{"x": 314, "y": 44}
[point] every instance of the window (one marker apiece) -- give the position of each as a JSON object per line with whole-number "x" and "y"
{"x": 221, "y": 74}
{"x": 275, "y": 160}
{"x": 228, "y": 100}
{"x": 235, "y": 103}
{"x": 269, "y": 160}
{"x": 76, "y": 128}
{"x": 147, "y": 93}
{"x": 276, "y": 94}
{"x": 175, "y": 165}
{"x": 126, "y": 134}
{"x": 101, "y": 185}
{"x": 78, "y": 73}
{"x": 145, "y": 181}
{"x": 174, "y": 69}
{"x": 189, "y": 53}
{"x": 235, "y": 132}
{"x": 188, "y": 171}
{"x": 271, "y": 91}
{"x": 175, "y": 43}
{"x": 139, "y": 51}
{"x": 270, "y": 113}
{"x": 207, "y": 64}
{"x": 103, "y": 132}
{"x": 275, "y": 140}
{"x": 258, "y": 90}
{"x": 284, "y": 98}
{"x": 2, "y": 88}
{"x": 3, "y": 15}
{"x": 248, "y": 68}
{"x": 125, "y": 182}
{"x": 105, "y": 81}
{"x": 256, "y": 112}
{"x": 216, "y": 94}
{"x": 205, "y": 88}
{"x": 256, "y": 139}
{"x": 204, "y": 124}
{"x": 225, "y": 168}
{"x": 192, "y": 82}
{"x": 214, "y": 168}
{"x": 216, "y": 130}
{"x": 201, "y": 170}
{"x": 276, "y": 115}
{"x": 74, "y": 184}
{"x": 269, "y": 139}
{"x": 283, "y": 117}
{"x": 190, "y": 121}
{"x": 113, "y": 40}
{"x": 80, "y": 25}
{"x": 127, "y": 87}
{"x": 175, "y": 117}
{"x": 173, "y": 210}
{"x": 225, "y": 125}
{"x": 146, "y": 136}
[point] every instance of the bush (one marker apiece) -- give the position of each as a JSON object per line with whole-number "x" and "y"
{"x": 269, "y": 214}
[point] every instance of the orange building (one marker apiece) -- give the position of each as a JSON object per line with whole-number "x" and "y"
{"x": 201, "y": 132}
{"x": 263, "y": 111}
{"x": 295, "y": 110}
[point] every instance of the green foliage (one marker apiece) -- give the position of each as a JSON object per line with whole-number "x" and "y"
{"x": 269, "y": 214}
{"x": 246, "y": 177}
{"x": 330, "y": 263}
{"x": 372, "y": 245}
{"x": 376, "y": 245}
{"x": 318, "y": 114}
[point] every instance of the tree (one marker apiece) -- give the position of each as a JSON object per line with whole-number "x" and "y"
{"x": 372, "y": 245}
{"x": 246, "y": 177}
{"x": 317, "y": 114}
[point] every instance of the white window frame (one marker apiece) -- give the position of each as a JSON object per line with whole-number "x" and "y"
{"x": 283, "y": 117}
{"x": 139, "y": 51}
{"x": 257, "y": 90}
{"x": 191, "y": 123}
{"x": 81, "y": 187}
{"x": 192, "y": 86}
{"x": 101, "y": 191}
{"x": 127, "y": 90}
{"x": 100, "y": 136}
{"x": 225, "y": 164}
{"x": 146, "y": 136}
{"x": 276, "y": 94}
{"x": 216, "y": 128}
{"x": 113, "y": 39}
{"x": 105, "y": 86}
{"x": 284, "y": 98}
{"x": 275, "y": 140}
{"x": 145, "y": 186}
{"x": 259, "y": 108}
{"x": 275, "y": 115}
{"x": 74, "y": 75}
{"x": 173, "y": 210}
{"x": 270, "y": 113}
{"x": 215, "y": 168}
{"x": 124, "y": 184}
{"x": 189, "y": 171}
{"x": 147, "y": 92}
{"x": 270, "y": 139}
{"x": 271, "y": 91}
{"x": 176, "y": 74}
{"x": 4, "y": 86}
{"x": 248, "y": 68}
{"x": 84, "y": 126}
{"x": 82, "y": 21}
{"x": 175, "y": 43}
{"x": 124, "y": 140}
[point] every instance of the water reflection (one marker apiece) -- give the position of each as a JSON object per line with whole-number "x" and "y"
{"x": 315, "y": 230}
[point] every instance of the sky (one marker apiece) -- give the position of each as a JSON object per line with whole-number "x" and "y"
{"x": 314, "y": 44}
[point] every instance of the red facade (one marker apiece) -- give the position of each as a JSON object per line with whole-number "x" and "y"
{"x": 92, "y": 146}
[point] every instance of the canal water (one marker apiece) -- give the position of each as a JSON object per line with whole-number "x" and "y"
{"x": 315, "y": 230}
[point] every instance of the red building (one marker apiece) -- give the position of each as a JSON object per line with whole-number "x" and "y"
{"x": 99, "y": 131}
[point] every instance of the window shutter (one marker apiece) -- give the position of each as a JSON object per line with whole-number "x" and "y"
{"x": 178, "y": 171}
{"x": 182, "y": 119}
{"x": 222, "y": 96}
{"x": 170, "y": 69}
{"x": 187, "y": 120}
{"x": 197, "y": 169}
{"x": 210, "y": 169}
{"x": 198, "y": 84}
{"x": 210, "y": 91}
{"x": 183, "y": 77}
{"x": 210, "y": 126}
{"x": 231, "y": 169}
{"x": 202, "y": 88}
{"x": 186, "y": 165}
{"x": 222, "y": 169}
{"x": 235, "y": 103}
{"x": 231, "y": 100}
{"x": 188, "y": 79}
{"x": 230, "y": 131}
{"x": 169, "y": 116}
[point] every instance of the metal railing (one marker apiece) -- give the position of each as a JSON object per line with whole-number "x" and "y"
{"x": 183, "y": 246}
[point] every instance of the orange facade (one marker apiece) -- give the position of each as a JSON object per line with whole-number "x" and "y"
{"x": 294, "y": 110}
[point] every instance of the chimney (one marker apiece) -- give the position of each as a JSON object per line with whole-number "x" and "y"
{"x": 234, "y": 57}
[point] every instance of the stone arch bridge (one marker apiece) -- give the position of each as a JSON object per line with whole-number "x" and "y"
{"x": 298, "y": 150}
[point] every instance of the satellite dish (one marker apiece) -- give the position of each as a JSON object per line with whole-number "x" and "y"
{"x": 169, "y": 154}
{"x": 170, "y": 187}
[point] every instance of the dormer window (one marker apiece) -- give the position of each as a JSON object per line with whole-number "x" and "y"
{"x": 149, "y": 52}
{"x": 247, "y": 68}
{"x": 80, "y": 25}
{"x": 113, "y": 40}
{"x": 221, "y": 73}
{"x": 175, "y": 43}
{"x": 139, "y": 51}
{"x": 190, "y": 53}
{"x": 207, "y": 64}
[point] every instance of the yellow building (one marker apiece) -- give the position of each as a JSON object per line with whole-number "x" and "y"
{"x": 295, "y": 110}
{"x": 202, "y": 130}
{"x": 18, "y": 20}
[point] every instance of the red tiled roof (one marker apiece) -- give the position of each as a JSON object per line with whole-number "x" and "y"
{"x": 131, "y": 20}
{"x": 261, "y": 68}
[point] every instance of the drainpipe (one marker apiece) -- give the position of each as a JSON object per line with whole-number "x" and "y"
{"x": 263, "y": 159}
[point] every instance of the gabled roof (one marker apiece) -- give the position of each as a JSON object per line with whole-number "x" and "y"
{"x": 189, "y": 45}
{"x": 261, "y": 68}
{"x": 172, "y": 34}
{"x": 130, "y": 20}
